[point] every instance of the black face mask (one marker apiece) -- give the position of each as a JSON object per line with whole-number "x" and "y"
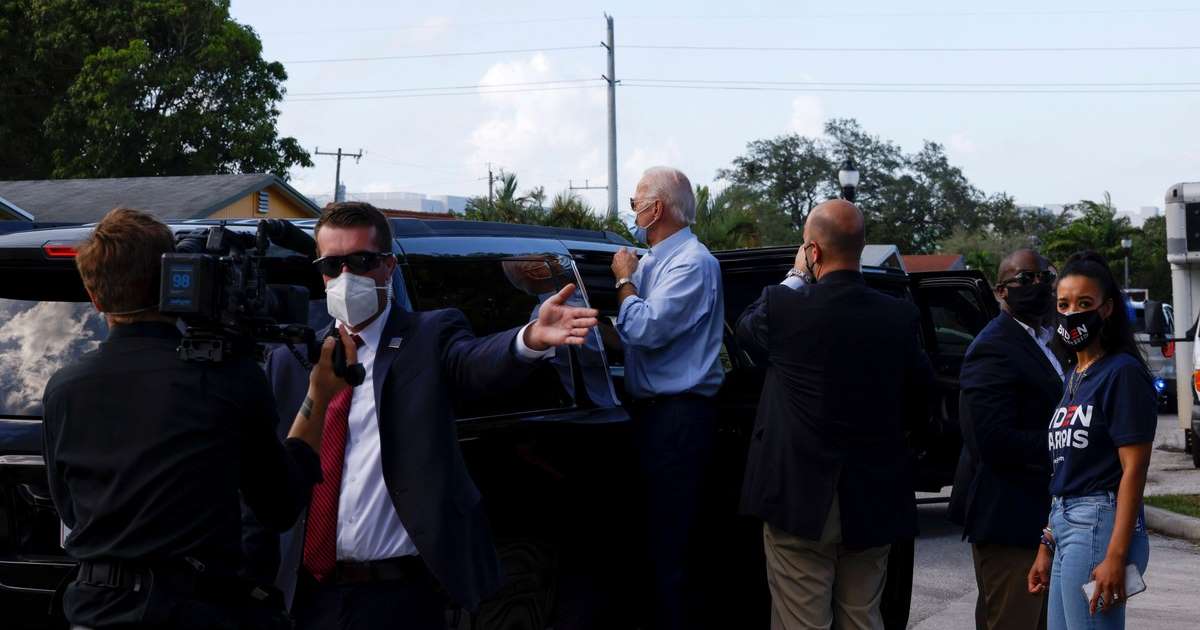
{"x": 1077, "y": 330}
{"x": 1031, "y": 301}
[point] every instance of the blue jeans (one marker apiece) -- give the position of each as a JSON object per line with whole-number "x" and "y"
{"x": 1082, "y": 528}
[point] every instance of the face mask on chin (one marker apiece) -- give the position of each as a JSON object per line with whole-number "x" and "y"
{"x": 353, "y": 299}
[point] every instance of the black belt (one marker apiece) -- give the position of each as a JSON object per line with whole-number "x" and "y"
{"x": 185, "y": 576}
{"x": 404, "y": 568}
{"x": 112, "y": 574}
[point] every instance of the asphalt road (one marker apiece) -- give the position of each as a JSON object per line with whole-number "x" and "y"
{"x": 944, "y": 581}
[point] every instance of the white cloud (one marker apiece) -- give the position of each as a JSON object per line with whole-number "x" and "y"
{"x": 36, "y": 340}
{"x": 960, "y": 143}
{"x": 523, "y": 130}
{"x": 808, "y": 116}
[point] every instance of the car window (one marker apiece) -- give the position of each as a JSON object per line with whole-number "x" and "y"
{"x": 957, "y": 317}
{"x": 38, "y": 338}
{"x": 500, "y": 294}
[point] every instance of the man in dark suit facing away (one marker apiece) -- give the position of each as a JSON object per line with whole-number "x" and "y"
{"x": 828, "y": 469}
{"x": 1011, "y": 381}
{"x": 397, "y": 519}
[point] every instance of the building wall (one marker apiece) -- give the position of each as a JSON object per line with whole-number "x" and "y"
{"x": 280, "y": 206}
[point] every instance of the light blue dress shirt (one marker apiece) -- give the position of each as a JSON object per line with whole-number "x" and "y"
{"x": 673, "y": 328}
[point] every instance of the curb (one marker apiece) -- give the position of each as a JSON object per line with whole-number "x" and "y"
{"x": 1172, "y": 524}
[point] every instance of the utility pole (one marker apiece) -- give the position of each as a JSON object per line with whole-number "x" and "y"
{"x": 611, "y": 78}
{"x": 337, "y": 177}
{"x": 491, "y": 186}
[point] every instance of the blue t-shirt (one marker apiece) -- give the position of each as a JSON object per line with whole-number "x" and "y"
{"x": 1114, "y": 405}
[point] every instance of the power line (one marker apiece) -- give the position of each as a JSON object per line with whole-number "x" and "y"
{"x": 467, "y": 53}
{"x": 447, "y": 93}
{"x": 435, "y": 26}
{"x": 888, "y": 90}
{"x": 444, "y": 87}
{"x": 832, "y": 49}
{"x": 1053, "y": 84}
{"x": 922, "y": 14}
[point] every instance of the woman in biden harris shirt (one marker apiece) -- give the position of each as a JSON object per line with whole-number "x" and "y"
{"x": 1099, "y": 440}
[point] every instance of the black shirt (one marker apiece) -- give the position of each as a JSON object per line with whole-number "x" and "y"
{"x": 146, "y": 453}
{"x": 1113, "y": 405}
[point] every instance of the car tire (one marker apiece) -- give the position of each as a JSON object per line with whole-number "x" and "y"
{"x": 1195, "y": 454}
{"x": 526, "y": 599}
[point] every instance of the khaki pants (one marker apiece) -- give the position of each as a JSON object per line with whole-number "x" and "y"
{"x": 1004, "y": 601}
{"x": 819, "y": 585}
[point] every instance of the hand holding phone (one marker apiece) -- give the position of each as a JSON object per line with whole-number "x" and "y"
{"x": 1134, "y": 584}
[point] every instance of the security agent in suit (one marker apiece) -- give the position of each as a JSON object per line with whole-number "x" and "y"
{"x": 1011, "y": 381}
{"x": 828, "y": 470}
{"x": 407, "y": 522}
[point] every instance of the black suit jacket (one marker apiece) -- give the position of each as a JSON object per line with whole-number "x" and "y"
{"x": 846, "y": 377}
{"x": 438, "y": 358}
{"x": 1009, "y": 392}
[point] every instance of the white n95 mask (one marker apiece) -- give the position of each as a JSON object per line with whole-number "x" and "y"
{"x": 352, "y": 299}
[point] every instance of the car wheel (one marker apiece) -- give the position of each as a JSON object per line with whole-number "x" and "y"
{"x": 526, "y": 599}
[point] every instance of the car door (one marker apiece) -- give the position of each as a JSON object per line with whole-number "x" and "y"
{"x": 955, "y": 306}
{"x": 500, "y": 285}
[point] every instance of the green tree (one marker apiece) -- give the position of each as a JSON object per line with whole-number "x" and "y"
{"x": 507, "y": 206}
{"x": 789, "y": 174}
{"x": 1148, "y": 267}
{"x": 1093, "y": 226}
{"x": 913, "y": 201}
{"x": 724, "y": 220}
{"x": 567, "y": 210}
{"x": 136, "y": 88}
{"x": 984, "y": 249}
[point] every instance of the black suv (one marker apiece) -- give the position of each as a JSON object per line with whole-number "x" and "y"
{"x": 553, "y": 460}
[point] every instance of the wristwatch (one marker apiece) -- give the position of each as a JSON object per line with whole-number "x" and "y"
{"x": 622, "y": 282}
{"x": 795, "y": 273}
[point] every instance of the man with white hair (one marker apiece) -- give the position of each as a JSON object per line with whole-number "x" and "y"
{"x": 671, "y": 321}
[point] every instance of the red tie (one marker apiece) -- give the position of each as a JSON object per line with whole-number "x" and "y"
{"x": 320, "y": 536}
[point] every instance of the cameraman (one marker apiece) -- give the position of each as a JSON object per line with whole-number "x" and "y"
{"x": 146, "y": 454}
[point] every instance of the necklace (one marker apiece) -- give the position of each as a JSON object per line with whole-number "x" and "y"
{"x": 1078, "y": 375}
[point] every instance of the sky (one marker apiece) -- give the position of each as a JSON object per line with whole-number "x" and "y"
{"x": 1047, "y": 126}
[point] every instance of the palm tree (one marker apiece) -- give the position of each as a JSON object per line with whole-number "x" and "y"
{"x": 724, "y": 221}
{"x": 1097, "y": 227}
{"x": 507, "y": 207}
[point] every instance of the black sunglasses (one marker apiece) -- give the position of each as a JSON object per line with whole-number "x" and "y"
{"x": 1026, "y": 278}
{"x": 358, "y": 263}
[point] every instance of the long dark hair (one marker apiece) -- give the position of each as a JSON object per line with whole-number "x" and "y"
{"x": 1117, "y": 333}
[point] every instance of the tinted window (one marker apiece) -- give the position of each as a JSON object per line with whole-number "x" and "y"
{"x": 501, "y": 294}
{"x": 36, "y": 340}
{"x": 956, "y": 316}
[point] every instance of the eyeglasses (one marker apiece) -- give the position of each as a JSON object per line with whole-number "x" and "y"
{"x": 1026, "y": 278}
{"x": 358, "y": 263}
{"x": 633, "y": 205}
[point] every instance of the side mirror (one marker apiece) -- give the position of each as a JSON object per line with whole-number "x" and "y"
{"x": 1156, "y": 324}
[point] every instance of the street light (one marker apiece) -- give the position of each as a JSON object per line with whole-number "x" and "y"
{"x": 848, "y": 179}
{"x": 1126, "y": 247}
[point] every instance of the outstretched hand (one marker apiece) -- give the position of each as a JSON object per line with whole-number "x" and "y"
{"x": 558, "y": 324}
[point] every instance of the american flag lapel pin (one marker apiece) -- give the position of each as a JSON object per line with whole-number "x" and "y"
{"x": 394, "y": 344}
